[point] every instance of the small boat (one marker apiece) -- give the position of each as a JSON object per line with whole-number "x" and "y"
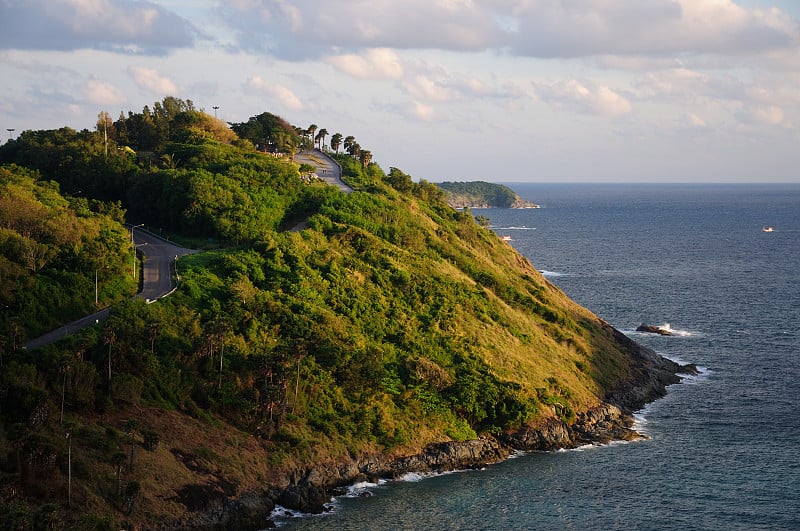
{"x": 505, "y": 238}
{"x": 767, "y": 229}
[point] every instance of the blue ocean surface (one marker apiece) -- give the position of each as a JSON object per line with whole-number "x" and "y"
{"x": 724, "y": 446}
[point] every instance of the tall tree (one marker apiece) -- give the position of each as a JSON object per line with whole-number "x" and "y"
{"x": 365, "y": 157}
{"x": 105, "y": 125}
{"x": 354, "y": 150}
{"x": 348, "y": 142}
{"x": 336, "y": 142}
{"x": 310, "y": 132}
{"x": 321, "y": 137}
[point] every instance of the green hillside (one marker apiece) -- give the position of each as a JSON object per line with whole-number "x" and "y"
{"x": 389, "y": 322}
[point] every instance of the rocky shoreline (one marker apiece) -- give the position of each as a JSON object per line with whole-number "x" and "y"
{"x": 310, "y": 489}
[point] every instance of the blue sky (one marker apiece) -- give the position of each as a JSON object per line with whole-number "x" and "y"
{"x": 498, "y": 90}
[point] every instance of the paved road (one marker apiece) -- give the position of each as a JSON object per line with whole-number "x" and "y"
{"x": 158, "y": 255}
{"x": 327, "y": 169}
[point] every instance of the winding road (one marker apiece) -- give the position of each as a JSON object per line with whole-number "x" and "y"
{"x": 327, "y": 168}
{"x": 159, "y": 254}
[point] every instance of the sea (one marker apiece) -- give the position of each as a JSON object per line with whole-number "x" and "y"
{"x": 723, "y": 447}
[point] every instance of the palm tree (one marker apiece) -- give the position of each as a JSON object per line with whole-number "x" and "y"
{"x": 310, "y": 131}
{"x": 365, "y": 157}
{"x": 354, "y": 150}
{"x": 348, "y": 142}
{"x": 336, "y": 142}
{"x": 321, "y": 137}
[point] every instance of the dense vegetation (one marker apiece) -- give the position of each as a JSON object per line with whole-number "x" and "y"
{"x": 476, "y": 194}
{"x": 57, "y": 255}
{"x": 390, "y": 321}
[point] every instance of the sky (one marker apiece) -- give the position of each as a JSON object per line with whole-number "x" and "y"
{"x": 445, "y": 90}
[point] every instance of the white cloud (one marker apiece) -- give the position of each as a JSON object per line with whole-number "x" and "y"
{"x": 374, "y": 64}
{"x": 101, "y": 93}
{"x": 536, "y": 28}
{"x": 769, "y": 115}
{"x": 648, "y": 27}
{"x": 423, "y": 87}
{"x": 120, "y": 25}
{"x": 281, "y": 94}
{"x": 422, "y": 111}
{"x": 150, "y": 80}
{"x": 692, "y": 121}
{"x": 584, "y": 97}
{"x": 302, "y": 29}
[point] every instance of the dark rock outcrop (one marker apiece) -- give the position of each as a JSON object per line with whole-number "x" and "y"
{"x": 654, "y": 329}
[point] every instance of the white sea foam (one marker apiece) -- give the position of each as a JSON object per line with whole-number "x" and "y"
{"x": 673, "y": 332}
{"x": 547, "y": 273}
{"x": 362, "y": 488}
{"x": 280, "y": 514}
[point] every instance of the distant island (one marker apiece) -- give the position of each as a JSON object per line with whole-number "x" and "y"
{"x": 480, "y": 194}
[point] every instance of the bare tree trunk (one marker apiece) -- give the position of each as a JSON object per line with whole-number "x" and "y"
{"x": 221, "y": 354}
{"x": 296, "y": 385}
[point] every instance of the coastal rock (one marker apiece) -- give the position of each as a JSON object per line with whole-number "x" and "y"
{"x": 305, "y": 498}
{"x": 649, "y": 377}
{"x": 447, "y": 456}
{"x": 250, "y": 511}
{"x": 551, "y": 434}
{"x": 654, "y": 329}
{"x": 603, "y": 424}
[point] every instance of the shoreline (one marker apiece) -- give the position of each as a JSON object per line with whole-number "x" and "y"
{"x": 310, "y": 491}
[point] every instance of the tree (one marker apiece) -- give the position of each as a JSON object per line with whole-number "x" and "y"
{"x": 109, "y": 338}
{"x": 365, "y": 157}
{"x": 105, "y": 125}
{"x": 310, "y": 132}
{"x": 118, "y": 460}
{"x": 336, "y": 142}
{"x": 348, "y": 142}
{"x": 265, "y": 128}
{"x": 321, "y": 137}
{"x": 354, "y": 150}
{"x": 130, "y": 428}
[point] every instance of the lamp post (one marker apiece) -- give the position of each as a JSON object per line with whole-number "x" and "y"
{"x": 215, "y": 107}
{"x": 134, "y": 247}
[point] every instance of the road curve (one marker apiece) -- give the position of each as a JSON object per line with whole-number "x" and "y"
{"x": 159, "y": 254}
{"x": 327, "y": 168}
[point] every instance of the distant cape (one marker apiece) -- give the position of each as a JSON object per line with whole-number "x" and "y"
{"x": 481, "y": 194}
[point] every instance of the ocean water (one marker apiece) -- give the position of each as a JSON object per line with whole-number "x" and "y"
{"x": 724, "y": 446}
